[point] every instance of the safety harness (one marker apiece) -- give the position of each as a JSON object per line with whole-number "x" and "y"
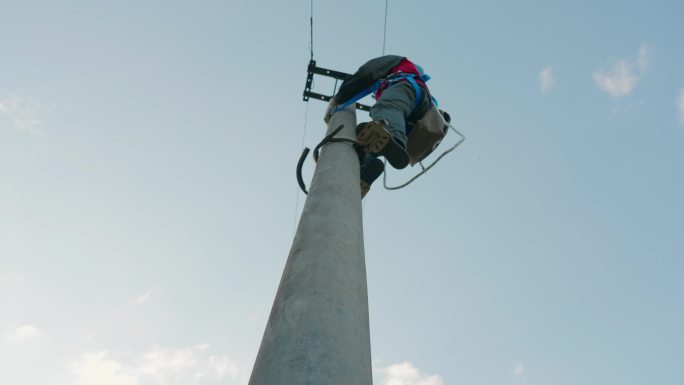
{"x": 388, "y": 81}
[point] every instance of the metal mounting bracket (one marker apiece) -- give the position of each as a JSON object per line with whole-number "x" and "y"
{"x": 313, "y": 70}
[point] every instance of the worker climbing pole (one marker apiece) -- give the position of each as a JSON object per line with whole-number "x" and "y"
{"x": 407, "y": 126}
{"x": 318, "y": 328}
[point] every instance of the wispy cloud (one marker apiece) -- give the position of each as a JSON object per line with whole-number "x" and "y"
{"x": 141, "y": 299}
{"x": 23, "y": 334}
{"x": 623, "y": 75}
{"x": 643, "y": 57}
{"x": 520, "y": 372}
{"x": 22, "y": 114}
{"x": 192, "y": 365}
{"x": 618, "y": 81}
{"x": 99, "y": 369}
{"x": 546, "y": 80}
{"x": 182, "y": 365}
{"x": 680, "y": 106}
{"x": 406, "y": 374}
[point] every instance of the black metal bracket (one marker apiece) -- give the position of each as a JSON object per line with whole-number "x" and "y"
{"x": 313, "y": 70}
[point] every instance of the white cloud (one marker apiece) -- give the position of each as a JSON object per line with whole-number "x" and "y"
{"x": 546, "y": 80}
{"x": 21, "y": 114}
{"x": 193, "y": 365}
{"x": 623, "y": 76}
{"x": 187, "y": 364}
{"x": 680, "y": 106}
{"x": 143, "y": 298}
{"x": 23, "y": 334}
{"x": 97, "y": 369}
{"x": 406, "y": 374}
{"x": 519, "y": 371}
{"x": 618, "y": 81}
{"x": 643, "y": 58}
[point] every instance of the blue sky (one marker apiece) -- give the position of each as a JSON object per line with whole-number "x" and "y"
{"x": 148, "y": 203}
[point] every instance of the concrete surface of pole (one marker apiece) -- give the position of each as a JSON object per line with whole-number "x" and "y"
{"x": 318, "y": 331}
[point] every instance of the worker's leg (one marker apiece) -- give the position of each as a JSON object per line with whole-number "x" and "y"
{"x": 370, "y": 171}
{"x": 395, "y": 105}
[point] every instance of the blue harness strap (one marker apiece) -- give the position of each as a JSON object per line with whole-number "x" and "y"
{"x": 359, "y": 96}
{"x": 419, "y": 92}
{"x": 394, "y": 78}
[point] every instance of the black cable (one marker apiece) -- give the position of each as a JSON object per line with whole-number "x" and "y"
{"x": 311, "y": 24}
{"x": 331, "y": 139}
{"x": 300, "y": 163}
{"x": 328, "y": 139}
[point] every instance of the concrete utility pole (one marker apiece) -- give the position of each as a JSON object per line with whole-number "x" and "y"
{"x": 318, "y": 332}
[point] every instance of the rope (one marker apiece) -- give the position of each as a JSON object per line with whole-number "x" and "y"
{"x": 425, "y": 169}
{"x": 384, "y": 36}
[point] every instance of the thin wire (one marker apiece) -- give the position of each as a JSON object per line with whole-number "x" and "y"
{"x": 296, "y": 211}
{"x": 384, "y": 36}
{"x": 425, "y": 169}
{"x": 311, "y": 24}
{"x": 306, "y": 116}
{"x": 384, "y": 40}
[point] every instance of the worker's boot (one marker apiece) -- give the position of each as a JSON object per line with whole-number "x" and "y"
{"x": 362, "y": 153}
{"x": 377, "y": 139}
{"x": 370, "y": 171}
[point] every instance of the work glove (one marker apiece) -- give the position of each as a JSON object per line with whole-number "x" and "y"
{"x": 330, "y": 110}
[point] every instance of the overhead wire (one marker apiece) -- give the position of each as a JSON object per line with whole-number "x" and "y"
{"x": 306, "y": 112}
{"x": 311, "y": 29}
{"x": 384, "y": 35}
{"x": 424, "y": 169}
{"x": 296, "y": 211}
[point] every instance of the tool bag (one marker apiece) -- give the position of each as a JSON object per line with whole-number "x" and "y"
{"x": 427, "y": 133}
